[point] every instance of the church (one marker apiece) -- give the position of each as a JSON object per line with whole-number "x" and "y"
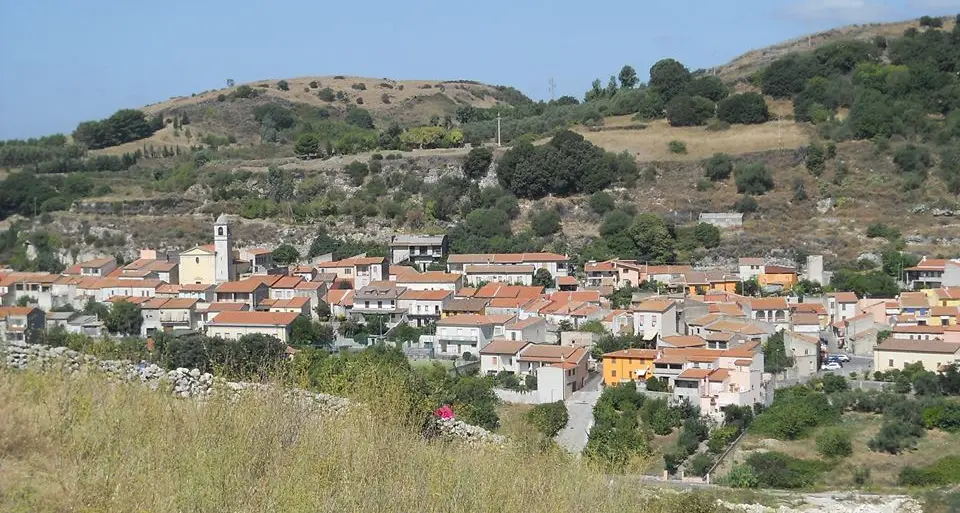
{"x": 211, "y": 263}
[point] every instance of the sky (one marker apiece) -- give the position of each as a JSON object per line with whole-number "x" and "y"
{"x": 64, "y": 61}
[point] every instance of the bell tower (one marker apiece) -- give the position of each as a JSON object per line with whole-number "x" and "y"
{"x": 223, "y": 242}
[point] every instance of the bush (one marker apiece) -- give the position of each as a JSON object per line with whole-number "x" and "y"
{"x": 861, "y": 476}
{"x": 753, "y": 179}
{"x": 359, "y": 86}
{"x": 718, "y": 167}
{"x": 548, "y": 418}
{"x": 689, "y": 110}
{"x": 746, "y": 205}
{"x": 700, "y": 464}
{"x": 815, "y": 159}
{"x": 944, "y": 471}
{"x": 678, "y": 147}
{"x": 477, "y": 163}
{"x": 716, "y": 125}
{"x": 834, "y": 443}
{"x": 707, "y": 235}
{"x": 794, "y": 413}
{"x": 881, "y": 230}
{"x": 385, "y": 98}
{"x": 314, "y": 84}
{"x": 913, "y": 159}
{"x": 283, "y": 85}
{"x": 745, "y": 108}
{"x": 601, "y": 202}
{"x": 742, "y": 476}
{"x": 326, "y": 94}
{"x": 545, "y": 222}
{"x": 721, "y": 437}
{"x": 779, "y": 470}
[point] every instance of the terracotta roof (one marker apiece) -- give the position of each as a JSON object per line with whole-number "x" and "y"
{"x": 719, "y": 336}
{"x": 474, "y": 320}
{"x": 254, "y": 319}
{"x": 914, "y": 300}
{"x": 98, "y": 262}
{"x": 240, "y": 287}
{"x": 934, "y": 330}
{"x": 137, "y": 300}
{"x": 805, "y": 337}
{"x": 730, "y": 309}
{"x": 844, "y": 297}
{"x": 196, "y": 287}
{"x": 6, "y": 311}
{"x": 743, "y": 363}
{"x": 929, "y": 264}
{"x": 499, "y": 269}
{"x": 154, "y": 303}
{"x": 598, "y": 266}
{"x": 206, "y": 248}
{"x": 466, "y": 292}
{"x": 227, "y": 307}
{"x": 616, "y": 313}
{"x": 641, "y": 354}
{"x": 168, "y": 288}
{"x": 812, "y": 308}
{"x": 704, "y": 320}
{"x": 751, "y": 261}
{"x": 918, "y": 346}
{"x": 778, "y": 269}
{"x": 287, "y": 282}
{"x": 944, "y": 311}
{"x": 498, "y": 290}
{"x": 501, "y": 346}
{"x": 310, "y": 285}
{"x": 180, "y": 303}
{"x": 429, "y": 277}
{"x": 768, "y": 303}
{"x": 342, "y": 297}
{"x": 948, "y": 293}
{"x": 685, "y": 341}
{"x": 426, "y": 295}
{"x": 654, "y": 305}
{"x": 506, "y": 302}
{"x": 589, "y": 296}
{"x": 808, "y": 319}
{"x": 566, "y": 280}
{"x": 719, "y": 375}
{"x": 267, "y": 279}
{"x": 259, "y": 251}
{"x": 525, "y": 323}
{"x": 694, "y": 374}
{"x": 352, "y": 262}
{"x": 294, "y": 302}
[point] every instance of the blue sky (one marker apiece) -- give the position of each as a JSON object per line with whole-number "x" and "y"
{"x": 66, "y": 61}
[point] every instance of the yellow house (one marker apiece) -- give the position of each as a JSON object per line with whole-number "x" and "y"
{"x": 946, "y": 296}
{"x": 943, "y": 316}
{"x": 777, "y": 275}
{"x": 628, "y": 365}
{"x": 198, "y": 265}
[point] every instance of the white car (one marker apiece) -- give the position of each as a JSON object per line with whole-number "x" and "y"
{"x": 842, "y": 357}
{"x": 831, "y": 366}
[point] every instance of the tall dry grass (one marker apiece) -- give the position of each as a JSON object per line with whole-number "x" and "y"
{"x": 85, "y": 444}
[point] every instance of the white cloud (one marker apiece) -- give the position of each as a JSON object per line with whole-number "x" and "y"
{"x": 847, "y": 11}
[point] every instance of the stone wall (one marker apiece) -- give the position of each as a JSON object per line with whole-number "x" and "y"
{"x": 192, "y": 383}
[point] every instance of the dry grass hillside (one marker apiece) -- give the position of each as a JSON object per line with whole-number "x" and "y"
{"x": 748, "y": 63}
{"x": 85, "y": 444}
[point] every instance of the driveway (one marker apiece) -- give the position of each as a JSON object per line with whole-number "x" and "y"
{"x": 573, "y": 437}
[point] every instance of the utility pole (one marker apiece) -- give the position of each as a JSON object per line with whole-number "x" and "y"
{"x": 553, "y": 89}
{"x": 498, "y": 129}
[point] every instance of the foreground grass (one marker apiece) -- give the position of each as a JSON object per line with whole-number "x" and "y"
{"x": 85, "y": 444}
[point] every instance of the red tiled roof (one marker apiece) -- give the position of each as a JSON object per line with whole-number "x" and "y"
{"x": 240, "y": 287}
{"x": 426, "y": 295}
{"x": 685, "y": 341}
{"x": 287, "y": 282}
{"x": 694, "y": 374}
{"x": 654, "y": 305}
{"x": 294, "y": 302}
{"x": 474, "y": 320}
{"x": 566, "y": 281}
{"x": 641, "y": 354}
{"x": 254, "y": 319}
{"x": 501, "y": 346}
{"x": 429, "y": 277}
{"x": 227, "y": 307}
{"x": 844, "y": 297}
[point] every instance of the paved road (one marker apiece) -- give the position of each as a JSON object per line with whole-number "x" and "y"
{"x": 573, "y": 438}
{"x": 857, "y": 364}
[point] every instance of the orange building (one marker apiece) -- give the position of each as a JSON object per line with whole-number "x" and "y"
{"x": 628, "y": 365}
{"x": 785, "y": 277}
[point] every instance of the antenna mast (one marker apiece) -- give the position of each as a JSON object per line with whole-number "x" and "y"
{"x": 498, "y": 129}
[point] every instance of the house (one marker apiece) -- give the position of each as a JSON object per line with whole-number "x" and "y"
{"x": 214, "y": 309}
{"x": 895, "y": 353}
{"x": 748, "y": 331}
{"x": 430, "y": 280}
{"x": 501, "y": 355}
{"x": 166, "y": 315}
{"x": 811, "y": 308}
{"x": 699, "y": 282}
{"x": 557, "y": 265}
{"x": 520, "y": 274}
{"x": 618, "y": 322}
{"x": 202, "y": 292}
{"x": 771, "y": 310}
{"x": 462, "y": 334}
{"x": 915, "y": 303}
{"x": 563, "y": 369}
{"x": 234, "y": 325}
{"x": 462, "y": 305}
{"x": 260, "y": 260}
{"x": 842, "y": 305}
{"x": 750, "y": 268}
{"x": 285, "y": 287}
{"x": 37, "y": 287}
{"x": 360, "y": 270}
{"x": 424, "y": 307}
{"x": 379, "y": 299}
{"x": 943, "y": 315}
{"x": 901, "y": 332}
{"x": 88, "y": 325}
{"x": 340, "y": 302}
{"x": 312, "y": 290}
{"x": 21, "y": 324}
{"x": 600, "y": 274}
{"x": 807, "y": 323}
{"x": 567, "y": 283}
{"x": 211, "y": 263}
{"x": 852, "y": 327}
{"x": 297, "y": 305}
{"x": 249, "y": 291}
{"x": 775, "y": 277}
{"x": 927, "y": 274}
{"x": 805, "y": 351}
{"x": 418, "y": 250}
{"x": 531, "y": 329}
{"x": 99, "y": 267}
{"x": 655, "y": 318}
{"x": 307, "y": 272}
{"x": 102, "y": 289}
{"x": 877, "y": 308}
{"x": 144, "y": 268}
{"x": 947, "y": 296}
{"x": 628, "y": 365}
{"x": 681, "y": 341}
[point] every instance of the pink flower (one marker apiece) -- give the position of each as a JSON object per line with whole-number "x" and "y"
{"x": 444, "y": 412}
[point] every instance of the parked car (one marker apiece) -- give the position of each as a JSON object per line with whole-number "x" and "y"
{"x": 842, "y": 357}
{"x": 831, "y": 366}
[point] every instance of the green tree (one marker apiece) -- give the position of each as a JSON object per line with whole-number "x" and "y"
{"x": 124, "y": 318}
{"x": 753, "y": 179}
{"x": 285, "y": 254}
{"x": 308, "y": 146}
{"x": 709, "y": 87}
{"x": 545, "y": 222}
{"x": 359, "y": 117}
{"x": 283, "y": 85}
{"x": 707, "y": 235}
{"x": 652, "y": 238}
{"x": 685, "y": 110}
{"x": 669, "y": 78}
{"x": 788, "y": 75}
{"x": 628, "y": 77}
{"x": 775, "y": 359}
{"x": 815, "y": 160}
{"x": 601, "y": 202}
{"x": 477, "y": 163}
{"x": 718, "y": 167}
{"x": 745, "y": 108}
{"x": 543, "y": 278}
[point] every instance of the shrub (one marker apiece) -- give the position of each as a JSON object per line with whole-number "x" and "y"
{"x": 283, "y": 85}
{"x": 704, "y": 185}
{"x": 745, "y": 108}
{"x": 359, "y": 100}
{"x": 357, "y": 171}
{"x": 746, "y": 205}
{"x": 689, "y": 110}
{"x": 548, "y": 418}
{"x": 385, "y": 98}
{"x": 944, "y": 471}
{"x": 721, "y": 437}
{"x": 359, "y": 86}
{"x": 314, "y": 84}
{"x": 861, "y": 476}
{"x": 779, "y": 470}
{"x": 678, "y": 147}
{"x": 717, "y": 125}
{"x": 815, "y": 160}
{"x": 326, "y": 94}
{"x": 834, "y": 443}
{"x": 477, "y": 163}
{"x": 545, "y": 222}
{"x": 700, "y": 464}
{"x": 875, "y": 230}
{"x": 601, "y": 202}
{"x": 794, "y": 413}
{"x": 753, "y": 179}
{"x": 718, "y": 167}
{"x": 742, "y": 476}
{"x": 913, "y": 159}
{"x": 833, "y": 383}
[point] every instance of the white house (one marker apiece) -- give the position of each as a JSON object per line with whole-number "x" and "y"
{"x": 461, "y": 334}
{"x": 501, "y": 356}
{"x": 430, "y": 280}
{"x": 558, "y": 265}
{"x": 750, "y": 268}
{"x": 419, "y": 250}
{"x": 520, "y": 274}
{"x": 841, "y": 305}
{"x": 424, "y": 306}
{"x": 379, "y": 300}
{"x": 655, "y": 318}
{"x": 531, "y": 329}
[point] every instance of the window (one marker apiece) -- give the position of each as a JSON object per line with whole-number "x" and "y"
{"x": 197, "y": 260}
{"x": 890, "y": 362}
{"x": 220, "y": 231}
{"x": 613, "y": 373}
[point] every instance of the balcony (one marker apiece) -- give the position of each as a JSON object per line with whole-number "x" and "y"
{"x": 458, "y": 338}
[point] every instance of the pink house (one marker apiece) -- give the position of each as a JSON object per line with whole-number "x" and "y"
{"x": 876, "y": 307}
